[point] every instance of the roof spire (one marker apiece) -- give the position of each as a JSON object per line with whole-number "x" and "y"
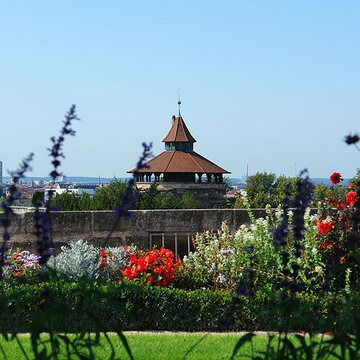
{"x": 179, "y": 103}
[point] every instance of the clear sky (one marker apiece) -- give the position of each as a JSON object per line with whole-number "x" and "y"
{"x": 267, "y": 83}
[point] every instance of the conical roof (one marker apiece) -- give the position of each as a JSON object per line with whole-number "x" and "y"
{"x": 180, "y": 162}
{"x": 179, "y": 132}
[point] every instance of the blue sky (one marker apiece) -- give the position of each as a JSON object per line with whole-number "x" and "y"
{"x": 270, "y": 84}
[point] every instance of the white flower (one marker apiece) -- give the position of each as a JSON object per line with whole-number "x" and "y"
{"x": 213, "y": 266}
{"x": 227, "y": 251}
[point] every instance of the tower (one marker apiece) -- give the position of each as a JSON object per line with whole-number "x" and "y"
{"x": 180, "y": 169}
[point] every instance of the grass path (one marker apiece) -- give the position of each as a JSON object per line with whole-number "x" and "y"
{"x": 156, "y": 346}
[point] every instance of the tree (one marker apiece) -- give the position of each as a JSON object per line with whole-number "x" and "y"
{"x": 189, "y": 201}
{"x": 109, "y": 196}
{"x": 67, "y": 201}
{"x": 148, "y": 198}
{"x": 167, "y": 200}
{"x": 282, "y": 185}
{"x": 259, "y": 188}
{"x": 85, "y": 201}
{"x": 267, "y": 189}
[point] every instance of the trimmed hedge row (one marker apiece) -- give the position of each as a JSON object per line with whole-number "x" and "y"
{"x": 71, "y": 307}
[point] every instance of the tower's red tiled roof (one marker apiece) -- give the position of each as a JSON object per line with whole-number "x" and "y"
{"x": 179, "y": 132}
{"x": 181, "y": 162}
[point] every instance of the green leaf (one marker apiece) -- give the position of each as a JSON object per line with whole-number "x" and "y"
{"x": 126, "y": 344}
{"x": 241, "y": 342}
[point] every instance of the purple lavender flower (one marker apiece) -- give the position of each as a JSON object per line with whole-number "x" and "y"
{"x": 43, "y": 227}
{"x": 130, "y": 196}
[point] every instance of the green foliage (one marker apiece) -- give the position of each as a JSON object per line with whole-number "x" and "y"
{"x": 266, "y": 189}
{"x": 65, "y": 306}
{"x": 152, "y": 198}
{"x": 189, "y": 201}
{"x": 37, "y": 198}
{"x": 356, "y": 178}
{"x": 50, "y": 310}
{"x": 167, "y": 201}
{"x": 85, "y": 201}
{"x": 110, "y": 196}
{"x": 220, "y": 258}
{"x": 323, "y": 192}
{"x": 105, "y": 198}
{"x": 67, "y": 201}
{"x": 148, "y": 198}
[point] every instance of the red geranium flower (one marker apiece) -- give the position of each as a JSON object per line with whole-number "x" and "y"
{"x": 325, "y": 245}
{"x": 325, "y": 227}
{"x": 154, "y": 267}
{"x": 351, "y": 198}
{"x": 335, "y": 178}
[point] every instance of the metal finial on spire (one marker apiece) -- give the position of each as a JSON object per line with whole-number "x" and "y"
{"x": 179, "y": 103}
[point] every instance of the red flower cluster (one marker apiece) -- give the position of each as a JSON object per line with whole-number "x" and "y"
{"x": 351, "y": 198}
{"x": 154, "y": 267}
{"x": 324, "y": 226}
{"x": 103, "y": 256}
{"x": 335, "y": 178}
{"x": 326, "y": 245}
{"x": 334, "y": 230}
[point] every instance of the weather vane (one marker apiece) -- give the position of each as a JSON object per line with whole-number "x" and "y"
{"x": 179, "y": 103}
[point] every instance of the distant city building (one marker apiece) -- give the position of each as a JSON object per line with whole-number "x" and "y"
{"x": 56, "y": 189}
{"x": 180, "y": 169}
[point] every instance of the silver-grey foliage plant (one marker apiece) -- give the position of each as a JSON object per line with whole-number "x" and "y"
{"x": 77, "y": 260}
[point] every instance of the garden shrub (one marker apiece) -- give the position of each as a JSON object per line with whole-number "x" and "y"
{"x": 76, "y": 260}
{"x": 80, "y": 260}
{"x": 131, "y": 307}
{"x": 153, "y": 267}
{"x": 220, "y": 258}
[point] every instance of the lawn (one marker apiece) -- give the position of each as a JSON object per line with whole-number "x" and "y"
{"x": 151, "y": 346}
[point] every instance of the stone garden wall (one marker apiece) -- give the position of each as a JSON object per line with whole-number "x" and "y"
{"x": 94, "y": 226}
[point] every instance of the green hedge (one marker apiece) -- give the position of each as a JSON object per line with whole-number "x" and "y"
{"x": 71, "y": 307}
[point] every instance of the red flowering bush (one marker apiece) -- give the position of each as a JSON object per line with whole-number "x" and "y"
{"x": 153, "y": 267}
{"x": 334, "y": 228}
